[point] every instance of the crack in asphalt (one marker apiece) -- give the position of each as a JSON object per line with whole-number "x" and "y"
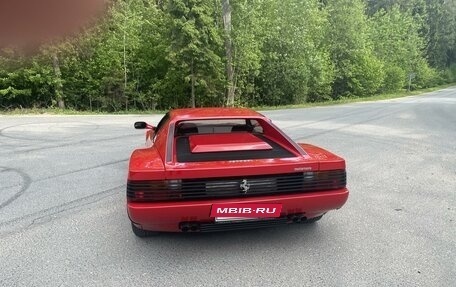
{"x": 49, "y": 212}
{"x": 25, "y": 185}
{"x": 347, "y": 115}
{"x": 2, "y": 134}
{"x": 74, "y": 143}
{"x": 72, "y": 172}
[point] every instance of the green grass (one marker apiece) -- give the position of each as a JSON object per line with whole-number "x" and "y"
{"x": 56, "y": 111}
{"x": 357, "y": 99}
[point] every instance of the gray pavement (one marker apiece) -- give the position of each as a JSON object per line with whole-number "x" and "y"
{"x": 63, "y": 220}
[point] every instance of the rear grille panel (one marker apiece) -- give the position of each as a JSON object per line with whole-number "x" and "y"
{"x": 240, "y": 225}
{"x": 249, "y": 186}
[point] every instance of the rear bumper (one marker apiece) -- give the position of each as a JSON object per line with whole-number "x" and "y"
{"x": 168, "y": 216}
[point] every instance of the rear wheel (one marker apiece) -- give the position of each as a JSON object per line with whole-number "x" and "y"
{"x": 313, "y": 220}
{"x": 141, "y": 232}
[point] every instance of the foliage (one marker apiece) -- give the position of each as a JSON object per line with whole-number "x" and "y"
{"x": 149, "y": 54}
{"x": 358, "y": 71}
{"x": 196, "y": 46}
{"x": 295, "y": 67}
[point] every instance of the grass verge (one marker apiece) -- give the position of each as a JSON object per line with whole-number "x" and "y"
{"x": 56, "y": 111}
{"x": 357, "y": 99}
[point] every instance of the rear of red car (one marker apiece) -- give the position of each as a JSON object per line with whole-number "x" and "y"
{"x": 230, "y": 174}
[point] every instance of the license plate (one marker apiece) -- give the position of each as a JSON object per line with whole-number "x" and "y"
{"x": 244, "y": 211}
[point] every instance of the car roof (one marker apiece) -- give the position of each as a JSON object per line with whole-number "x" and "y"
{"x": 212, "y": 113}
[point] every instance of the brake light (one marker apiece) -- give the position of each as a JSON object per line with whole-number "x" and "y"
{"x": 331, "y": 179}
{"x": 153, "y": 190}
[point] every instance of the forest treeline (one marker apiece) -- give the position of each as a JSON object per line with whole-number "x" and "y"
{"x": 159, "y": 54}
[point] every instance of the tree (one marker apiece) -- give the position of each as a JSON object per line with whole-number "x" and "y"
{"x": 358, "y": 71}
{"x": 294, "y": 65}
{"x": 25, "y": 82}
{"x": 248, "y": 34}
{"x": 226, "y": 15}
{"x": 398, "y": 44}
{"x": 441, "y": 46}
{"x": 196, "y": 46}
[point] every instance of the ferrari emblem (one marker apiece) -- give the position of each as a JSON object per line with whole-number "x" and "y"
{"x": 245, "y": 186}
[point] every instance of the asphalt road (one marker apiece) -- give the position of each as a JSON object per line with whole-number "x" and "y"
{"x": 63, "y": 220}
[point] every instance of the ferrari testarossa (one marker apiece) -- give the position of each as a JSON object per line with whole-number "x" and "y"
{"x": 217, "y": 169}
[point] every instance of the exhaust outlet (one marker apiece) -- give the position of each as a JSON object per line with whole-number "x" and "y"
{"x": 296, "y": 219}
{"x": 185, "y": 228}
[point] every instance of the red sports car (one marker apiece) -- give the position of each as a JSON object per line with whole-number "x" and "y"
{"x": 217, "y": 169}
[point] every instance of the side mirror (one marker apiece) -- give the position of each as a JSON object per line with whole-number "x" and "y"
{"x": 140, "y": 125}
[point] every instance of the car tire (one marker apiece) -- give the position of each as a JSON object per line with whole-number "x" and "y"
{"x": 313, "y": 220}
{"x": 141, "y": 232}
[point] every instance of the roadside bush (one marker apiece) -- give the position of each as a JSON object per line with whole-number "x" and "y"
{"x": 425, "y": 76}
{"x": 395, "y": 79}
{"x": 367, "y": 76}
{"x": 449, "y": 74}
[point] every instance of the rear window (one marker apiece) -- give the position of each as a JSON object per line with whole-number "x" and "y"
{"x": 216, "y": 140}
{"x": 218, "y": 126}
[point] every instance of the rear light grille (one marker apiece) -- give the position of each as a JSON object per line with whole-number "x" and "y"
{"x": 230, "y": 226}
{"x": 248, "y": 186}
